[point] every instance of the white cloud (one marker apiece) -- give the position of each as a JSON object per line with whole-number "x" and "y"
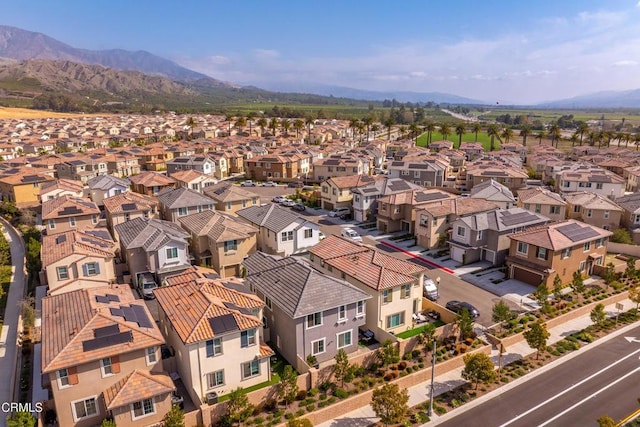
{"x": 625, "y": 63}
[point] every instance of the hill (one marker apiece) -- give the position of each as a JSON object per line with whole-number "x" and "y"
{"x": 607, "y": 99}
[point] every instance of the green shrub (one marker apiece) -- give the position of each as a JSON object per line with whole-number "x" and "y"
{"x": 299, "y": 413}
{"x": 423, "y": 417}
{"x": 340, "y": 393}
{"x": 331, "y": 400}
{"x": 302, "y": 395}
{"x": 455, "y": 403}
{"x": 289, "y": 415}
{"x": 415, "y": 353}
{"x": 313, "y": 391}
{"x": 310, "y": 408}
{"x": 420, "y": 365}
{"x": 440, "y": 410}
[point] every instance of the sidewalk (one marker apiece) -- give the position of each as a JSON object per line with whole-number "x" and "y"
{"x": 418, "y": 394}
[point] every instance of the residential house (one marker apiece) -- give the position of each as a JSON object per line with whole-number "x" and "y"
{"x": 559, "y": 249}
{"x": 179, "y": 202}
{"x": 77, "y": 259}
{"x": 215, "y": 327}
{"x": 542, "y": 201}
{"x": 338, "y": 166}
{"x": 511, "y": 177}
{"x": 221, "y": 170}
{"x": 101, "y": 356}
{"x": 632, "y": 175}
{"x": 397, "y": 212}
{"x": 60, "y": 187}
{"x": 594, "y": 209}
{"x": 308, "y": 313}
{"x": 599, "y": 181}
{"x": 336, "y": 192}
{"x": 151, "y": 183}
{"x": 394, "y": 285}
{"x": 441, "y": 145}
{"x": 484, "y": 236}
{"x": 231, "y": 198}
{"x": 219, "y": 240}
{"x": 69, "y": 213}
{"x": 365, "y": 198}
{"x": 121, "y": 164}
{"x": 472, "y": 150}
{"x": 281, "y": 231}
{"x": 202, "y": 164}
{"x": 494, "y": 192}
{"x": 153, "y": 246}
{"x": 105, "y": 186}
{"x": 193, "y": 180}
{"x": 23, "y": 187}
{"x": 431, "y": 172}
{"x": 127, "y": 206}
{"x": 272, "y": 167}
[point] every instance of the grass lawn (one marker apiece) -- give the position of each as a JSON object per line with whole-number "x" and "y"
{"x": 416, "y": 331}
{"x": 5, "y": 281}
{"x": 483, "y": 139}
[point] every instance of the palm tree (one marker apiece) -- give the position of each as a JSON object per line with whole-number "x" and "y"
{"x": 228, "y": 118}
{"x": 353, "y": 124}
{"x": 250, "y": 116}
{"x": 573, "y": 139}
{"x": 636, "y": 140}
{"x": 541, "y": 134}
{"x": 475, "y": 128}
{"x": 375, "y": 128}
{"x": 627, "y": 139}
{"x": 582, "y": 129}
{"x": 460, "y": 131}
{"x": 554, "y": 133}
{"x": 403, "y": 131}
{"x": 262, "y": 123}
{"x": 368, "y": 121}
{"x": 298, "y": 125}
{"x": 414, "y": 130}
{"x": 445, "y": 130}
{"x": 273, "y": 125}
{"x": 524, "y": 133}
{"x": 389, "y": 124}
{"x": 506, "y": 134}
{"x": 286, "y": 125}
{"x": 429, "y": 127}
{"x": 241, "y": 122}
{"x": 309, "y": 120}
{"x": 360, "y": 126}
{"x": 493, "y": 131}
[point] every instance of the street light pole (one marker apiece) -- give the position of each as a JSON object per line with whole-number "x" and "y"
{"x": 433, "y": 374}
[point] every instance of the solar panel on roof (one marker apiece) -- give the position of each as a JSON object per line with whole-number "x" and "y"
{"x": 223, "y": 324}
{"x": 141, "y": 315}
{"x": 576, "y": 233}
{"x": 128, "y": 206}
{"x": 180, "y": 160}
{"x": 237, "y": 287}
{"x": 30, "y": 178}
{"x": 113, "y": 298}
{"x": 232, "y": 306}
{"x": 518, "y": 218}
{"x": 61, "y": 239}
{"x": 129, "y": 314}
{"x": 107, "y": 341}
{"x": 69, "y": 210}
{"x": 102, "y": 299}
{"x": 116, "y": 312}
{"x": 424, "y": 197}
{"x": 106, "y": 331}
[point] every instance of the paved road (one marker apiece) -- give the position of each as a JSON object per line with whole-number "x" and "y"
{"x": 601, "y": 381}
{"x": 16, "y": 293}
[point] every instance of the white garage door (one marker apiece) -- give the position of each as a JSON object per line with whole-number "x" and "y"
{"x": 456, "y": 253}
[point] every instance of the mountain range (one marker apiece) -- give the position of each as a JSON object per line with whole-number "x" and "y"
{"x": 33, "y": 63}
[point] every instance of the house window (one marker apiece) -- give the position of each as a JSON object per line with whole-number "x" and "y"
{"x": 52, "y": 224}
{"x": 228, "y": 205}
{"x": 91, "y": 269}
{"x": 94, "y": 219}
{"x": 461, "y": 231}
{"x": 566, "y": 253}
{"x": 605, "y": 214}
{"x": 589, "y": 213}
{"x": 360, "y": 308}
{"x": 63, "y": 273}
{"x": 250, "y": 369}
{"x": 287, "y": 236}
{"x": 416, "y": 174}
{"x": 554, "y": 210}
{"x": 84, "y": 408}
{"x": 314, "y": 319}
{"x": 150, "y": 355}
{"x": 127, "y": 217}
{"x": 405, "y": 291}
{"x": 342, "y": 313}
{"x": 254, "y": 200}
{"x": 214, "y": 347}
{"x": 333, "y": 190}
{"x": 325, "y": 189}
{"x": 244, "y": 203}
{"x": 527, "y": 206}
{"x": 318, "y": 347}
{"x": 308, "y": 233}
{"x": 587, "y": 246}
{"x": 538, "y": 208}
{"x": 143, "y": 408}
{"x": 63, "y": 378}
{"x": 215, "y": 379}
{"x": 479, "y": 236}
{"x": 172, "y": 253}
{"x": 344, "y": 339}
{"x": 387, "y": 296}
{"x": 576, "y": 209}
{"x": 247, "y": 338}
{"x": 542, "y": 253}
{"x": 583, "y": 265}
{"x": 182, "y": 211}
{"x": 523, "y": 248}
{"x": 72, "y": 221}
{"x": 106, "y": 367}
{"x": 267, "y": 301}
{"x": 395, "y": 320}
{"x": 599, "y": 243}
{"x": 231, "y": 245}
{"x": 396, "y": 209}
{"x": 599, "y": 186}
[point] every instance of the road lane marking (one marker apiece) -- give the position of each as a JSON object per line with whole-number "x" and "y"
{"x": 628, "y": 418}
{"x": 571, "y": 408}
{"x": 606, "y": 368}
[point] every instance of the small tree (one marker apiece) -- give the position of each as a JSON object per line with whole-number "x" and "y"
{"x": 621, "y": 235}
{"x": 174, "y": 418}
{"x": 388, "y": 353}
{"x": 299, "y": 422}
{"x": 288, "y": 385}
{"x": 634, "y": 295}
{"x": 577, "y": 283}
{"x": 312, "y": 360}
{"x": 390, "y": 403}
{"x": 598, "y": 315}
{"x": 28, "y": 310}
{"x": 542, "y": 294}
{"x": 21, "y": 419}
{"x": 557, "y": 288}
{"x": 464, "y": 322}
{"x": 630, "y": 271}
{"x": 609, "y": 274}
{"x": 239, "y": 407}
{"x": 478, "y": 368}
{"x": 427, "y": 336}
{"x": 537, "y": 336}
{"x": 341, "y": 368}
{"x": 500, "y": 313}
{"x": 606, "y": 421}
{"x": 110, "y": 423}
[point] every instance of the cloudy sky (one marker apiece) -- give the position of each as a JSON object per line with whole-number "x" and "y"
{"x": 507, "y": 51}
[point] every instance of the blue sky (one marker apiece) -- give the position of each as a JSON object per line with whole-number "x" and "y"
{"x": 507, "y": 51}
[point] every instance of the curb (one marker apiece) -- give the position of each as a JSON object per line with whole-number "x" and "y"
{"x": 426, "y": 261}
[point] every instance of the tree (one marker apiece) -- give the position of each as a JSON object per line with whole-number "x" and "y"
{"x": 493, "y": 131}
{"x": 476, "y": 128}
{"x": 388, "y": 353}
{"x": 262, "y": 123}
{"x": 250, "y": 116}
{"x": 609, "y": 274}
{"x": 228, "y": 118}
{"x": 110, "y": 423}
{"x": 288, "y": 385}
{"x": 460, "y": 131}
{"x": 464, "y": 322}
{"x": 478, "y": 368}
{"x": 542, "y": 294}
{"x": 174, "y": 418}
{"x": 445, "y": 130}
{"x": 21, "y": 419}
{"x": 554, "y": 134}
{"x": 598, "y": 315}
{"x": 606, "y": 421}
{"x": 582, "y": 129}
{"x": 524, "y": 133}
{"x": 630, "y": 270}
{"x": 537, "y": 336}
{"x": 429, "y": 127}
{"x": 389, "y": 125}
{"x": 273, "y": 125}
{"x": 507, "y": 134}
{"x": 621, "y": 235}
{"x": 390, "y": 403}
{"x": 299, "y": 422}
{"x": 285, "y": 125}
{"x": 540, "y": 135}
{"x": 309, "y": 121}
{"x": 239, "y": 407}
{"x": 341, "y": 368}
{"x": 241, "y": 122}
{"x": 427, "y": 336}
{"x": 557, "y": 287}
{"x": 634, "y": 295}
{"x": 500, "y": 312}
{"x": 577, "y": 282}
{"x": 298, "y": 125}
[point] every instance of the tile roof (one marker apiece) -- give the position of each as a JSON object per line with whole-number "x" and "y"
{"x": 181, "y": 197}
{"x": 106, "y": 182}
{"x": 549, "y": 237}
{"x": 68, "y": 206}
{"x": 296, "y": 287}
{"x": 149, "y": 234}
{"x": 60, "y": 246}
{"x": 630, "y": 202}
{"x": 62, "y": 184}
{"x": 492, "y": 191}
{"x": 71, "y": 318}
{"x": 590, "y": 200}
{"x": 136, "y": 202}
{"x": 371, "y": 267}
{"x": 270, "y": 216}
{"x": 218, "y": 226}
{"x": 351, "y": 181}
{"x": 136, "y": 386}
{"x": 225, "y": 191}
{"x": 503, "y": 219}
{"x": 540, "y": 196}
{"x": 190, "y": 306}
{"x": 194, "y": 272}
{"x": 151, "y": 179}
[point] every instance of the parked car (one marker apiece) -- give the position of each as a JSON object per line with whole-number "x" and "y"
{"x": 458, "y": 306}
{"x": 279, "y": 199}
{"x": 146, "y": 285}
{"x": 321, "y": 236}
{"x": 339, "y": 211}
{"x": 288, "y": 203}
{"x": 248, "y": 183}
{"x": 346, "y": 216}
{"x": 298, "y": 207}
{"x": 295, "y": 185}
{"x": 430, "y": 289}
{"x": 350, "y": 233}
{"x": 269, "y": 184}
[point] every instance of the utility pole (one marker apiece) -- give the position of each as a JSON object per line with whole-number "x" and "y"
{"x": 433, "y": 374}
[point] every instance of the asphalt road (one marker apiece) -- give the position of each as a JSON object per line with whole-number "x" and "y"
{"x": 604, "y": 380}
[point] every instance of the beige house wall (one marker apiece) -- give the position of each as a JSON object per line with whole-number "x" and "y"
{"x": 74, "y": 265}
{"x": 61, "y": 225}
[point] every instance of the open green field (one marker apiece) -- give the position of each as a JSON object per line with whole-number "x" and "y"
{"x": 483, "y": 139}
{"x": 631, "y": 116}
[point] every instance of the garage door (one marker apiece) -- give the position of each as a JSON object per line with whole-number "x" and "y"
{"x": 230, "y": 270}
{"x": 527, "y": 276}
{"x": 457, "y": 253}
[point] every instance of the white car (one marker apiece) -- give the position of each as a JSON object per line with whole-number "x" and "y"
{"x": 288, "y": 203}
{"x": 248, "y": 183}
{"x": 350, "y": 233}
{"x": 339, "y": 212}
{"x": 269, "y": 184}
{"x": 279, "y": 199}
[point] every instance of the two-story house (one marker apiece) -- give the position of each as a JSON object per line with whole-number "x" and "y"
{"x": 69, "y": 213}
{"x": 395, "y": 285}
{"x": 494, "y": 192}
{"x": 365, "y": 198}
{"x": 23, "y": 187}
{"x": 397, "y": 212}
{"x": 201, "y": 164}
{"x": 631, "y": 214}
{"x": 220, "y": 240}
{"x": 593, "y": 209}
{"x": 193, "y": 180}
{"x": 542, "y": 201}
{"x": 337, "y": 192}
{"x": 559, "y": 249}
{"x": 231, "y": 198}
{"x": 338, "y": 166}
{"x": 101, "y": 355}
{"x": 216, "y": 329}
{"x": 599, "y": 181}
{"x": 151, "y": 183}
{"x": 127, "y": 206}
{"x": 60, "y": 187}
{"x": 281, "y": 231}
{"x": 431, "y": 172}
{"x": 178, "y": 202}
{"x": 105, "y": 186}
{"x": 484, "y": 236}
{"x": 307, "y": 312}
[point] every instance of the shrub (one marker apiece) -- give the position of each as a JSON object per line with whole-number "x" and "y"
{"x": 331, "y": 400}
{"x": 313, "y": 391}
{"x": 258, "y": 420}
{"x": 440, "y": 410}
{"x": 403, "y": 373}
{"x": 455, "y": 403}
{"x": 289, "y": 415}
{"x": 402, "y": 366}
{"x": 415, "y": 353}
{"x": 311, "y": 407}
{"x": 302, "y": 395}
{"x": 322, "y": 397}
{"x": 423, "y": 417}
{"x": 406, "y": 356}
{"x": 340, "y": 393}
{"x": 322, "y": 404}
{"x": 299, "y": 413}
{"x": 421, "y": 365}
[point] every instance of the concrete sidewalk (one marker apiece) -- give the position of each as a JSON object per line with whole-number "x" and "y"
{"x": 420, "y": 393}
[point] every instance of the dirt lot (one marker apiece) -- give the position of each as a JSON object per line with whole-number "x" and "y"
{"x": 25, "y": 113}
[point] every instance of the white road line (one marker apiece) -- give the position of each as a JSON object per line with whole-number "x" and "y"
{"x": 524, "y": 414}
{"x": 589, "y": 397}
